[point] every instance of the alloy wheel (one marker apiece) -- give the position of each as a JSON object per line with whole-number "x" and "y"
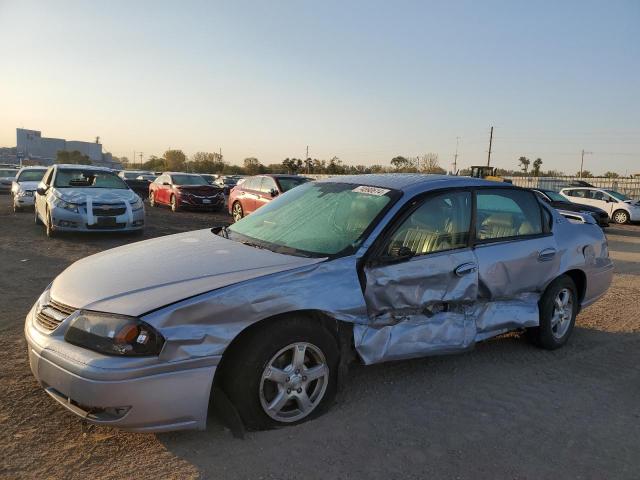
{"x": 294, "y": 382}
{"x": 620, "y": 217}
{"x": 562, "y": 313}
{"x": 237, "y": 212}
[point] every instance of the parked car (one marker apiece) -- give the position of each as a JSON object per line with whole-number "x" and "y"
{"x": 81, "y": 198}
{"x": 619, "y": 207}
{"x": 268, "y": 312}
{"x": 24, "y": 186}
{"x": 560, "y": 202}
{"x": 137, "y": 181}
{"x": 7, "y": 176}
{"x": 259, "y": 190}
{"x": 185, "y": 190}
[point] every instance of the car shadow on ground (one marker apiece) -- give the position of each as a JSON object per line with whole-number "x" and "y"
{"x": 505, "y": 409}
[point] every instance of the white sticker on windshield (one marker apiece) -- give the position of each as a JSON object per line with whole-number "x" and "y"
{"x": 371, "y": 190}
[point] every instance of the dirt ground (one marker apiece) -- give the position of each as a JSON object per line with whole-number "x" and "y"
{"x": 504, "y": 410}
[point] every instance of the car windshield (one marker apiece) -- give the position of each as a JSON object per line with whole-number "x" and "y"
{"x": 315, "y": 219}
{"x": 69, "y": 178}
{"x": 188, "y": 180}
{"x": 8, "y": 172}
{"x": 287, "y": 183}
{"x": 554, "y": 196}
{"x": 618, "y": 196}
{"x": 31, "y": 175}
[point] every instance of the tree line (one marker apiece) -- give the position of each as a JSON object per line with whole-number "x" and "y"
{"x": 208, "y": 162}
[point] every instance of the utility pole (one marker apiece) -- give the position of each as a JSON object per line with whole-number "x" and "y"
{"x": 306, "y": 160}
{"x": 133, "y": 163}
{"x": 140, "y": 159}
{"x": 582, "y": 160}
{"x": 490, "y": 143}
{"x": 455, "y": 157}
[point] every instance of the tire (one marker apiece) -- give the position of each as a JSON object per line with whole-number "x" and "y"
{"x": 174, "y": 204}
{"x": 558, "y": 309}
{"x": 620, "y": 216}
{"x": 251, "y": 380}
{"x": 237, "y": 212}
{"x": 50, "y": 231}
{"x": 152, "y": 199}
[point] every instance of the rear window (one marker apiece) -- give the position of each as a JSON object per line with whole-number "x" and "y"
{"x": 287, "y": 183}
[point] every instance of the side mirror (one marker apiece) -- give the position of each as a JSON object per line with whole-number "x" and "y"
{"x": 274, "y": 192}
{"x": 401, "y": 255}
{"x": 42, "y": 190}
{"x": 166, "y": 184}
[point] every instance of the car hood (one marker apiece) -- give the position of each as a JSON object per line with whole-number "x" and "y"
{"x": 28, "y": 185}
{"x": 143, "y": 276}
{"x": 576, "y": 207}
{"x": 633, "y": 203}
{"x": 101, "y": 195}
{"x": 199, "y": 189}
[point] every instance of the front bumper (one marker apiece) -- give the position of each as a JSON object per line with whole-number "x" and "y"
{"x": 68, "y": 221}
{"x": 203, "y": 203}
{"x": 140, "y": 394}
{"x": 23, "y": 201}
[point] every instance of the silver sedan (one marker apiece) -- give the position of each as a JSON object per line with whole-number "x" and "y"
{"x": 268, "y": 312}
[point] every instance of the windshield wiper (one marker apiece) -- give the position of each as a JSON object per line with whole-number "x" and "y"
{"x": 254, "y": 245}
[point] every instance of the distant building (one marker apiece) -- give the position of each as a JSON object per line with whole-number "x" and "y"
{"x": 33, "y": 147}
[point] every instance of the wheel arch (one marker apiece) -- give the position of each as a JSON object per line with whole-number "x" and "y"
{"x": 580, "y": 280}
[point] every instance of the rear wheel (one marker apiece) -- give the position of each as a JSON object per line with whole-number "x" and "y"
{"x": 282, "y": 373}
{"x": 174, "y": 204}
{"x": 620, "y": 216}
{"x": 558, "y": 309}
{"x": 237, "y": 211}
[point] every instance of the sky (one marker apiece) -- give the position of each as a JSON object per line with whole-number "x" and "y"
{"x": 361, "y": 80}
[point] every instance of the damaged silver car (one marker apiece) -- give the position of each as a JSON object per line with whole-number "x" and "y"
{"x": 268, "y": 312}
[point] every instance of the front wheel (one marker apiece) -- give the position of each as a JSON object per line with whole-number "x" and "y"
{"x": 620, "y": 216}
{"x": 237, "y": 212}
{"x": 282, "y": 373}
{"x": 558, "y": 309}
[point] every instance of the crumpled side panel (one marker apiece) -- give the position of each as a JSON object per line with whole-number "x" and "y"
{"x": 415, "y": 336}
{"x": 494, "y": 318}
{"x": 206, "y": 324}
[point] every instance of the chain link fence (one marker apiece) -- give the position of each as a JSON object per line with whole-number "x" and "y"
{"x": 628, "y": 186}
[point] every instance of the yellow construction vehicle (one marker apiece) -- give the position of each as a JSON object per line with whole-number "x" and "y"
{"x": 487, "y": 173}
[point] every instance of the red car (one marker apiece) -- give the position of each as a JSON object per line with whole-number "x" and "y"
{"x": 185, "y": 190}
{"x": 257, "y": 191}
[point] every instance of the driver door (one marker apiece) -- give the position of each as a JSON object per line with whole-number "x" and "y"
{"x": 421, "y": 283}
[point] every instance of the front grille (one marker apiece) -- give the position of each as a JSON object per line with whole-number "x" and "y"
{"x": 50, "y": 321}
{"x": 108, "y": 211}
{"x": 114, "y": 226}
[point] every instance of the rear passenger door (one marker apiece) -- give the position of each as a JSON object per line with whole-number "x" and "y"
{"x": 250, "y": 193}
{"x": 266, "y": 187}
{"x": 420, "y": 282}
{"x": 517, "y": 257}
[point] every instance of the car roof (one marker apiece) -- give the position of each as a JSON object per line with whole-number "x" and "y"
{"x": 412, "y": 181}
{"x": 181, "y": 173}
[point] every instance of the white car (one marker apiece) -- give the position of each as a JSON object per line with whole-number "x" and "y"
{"x": 24, "y": 186}
{"x": 620, "y": 207}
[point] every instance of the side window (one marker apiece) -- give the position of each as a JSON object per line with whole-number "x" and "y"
{"x": 440, "y": 223}
{"x": 504, "y": 213}
{"x": 252, "y": 183}
{"x": 267, "y": 185}
{"x": 579, "y": 193}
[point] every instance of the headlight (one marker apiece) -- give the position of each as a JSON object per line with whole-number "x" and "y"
{"x": 58, "y": 202}
{"x": 113, "y": 334}
{"x": 137, "y": 204}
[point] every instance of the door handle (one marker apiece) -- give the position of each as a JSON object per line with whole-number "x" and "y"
{"x": 546, "y": 254}
{"x": 465, "y": 269}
